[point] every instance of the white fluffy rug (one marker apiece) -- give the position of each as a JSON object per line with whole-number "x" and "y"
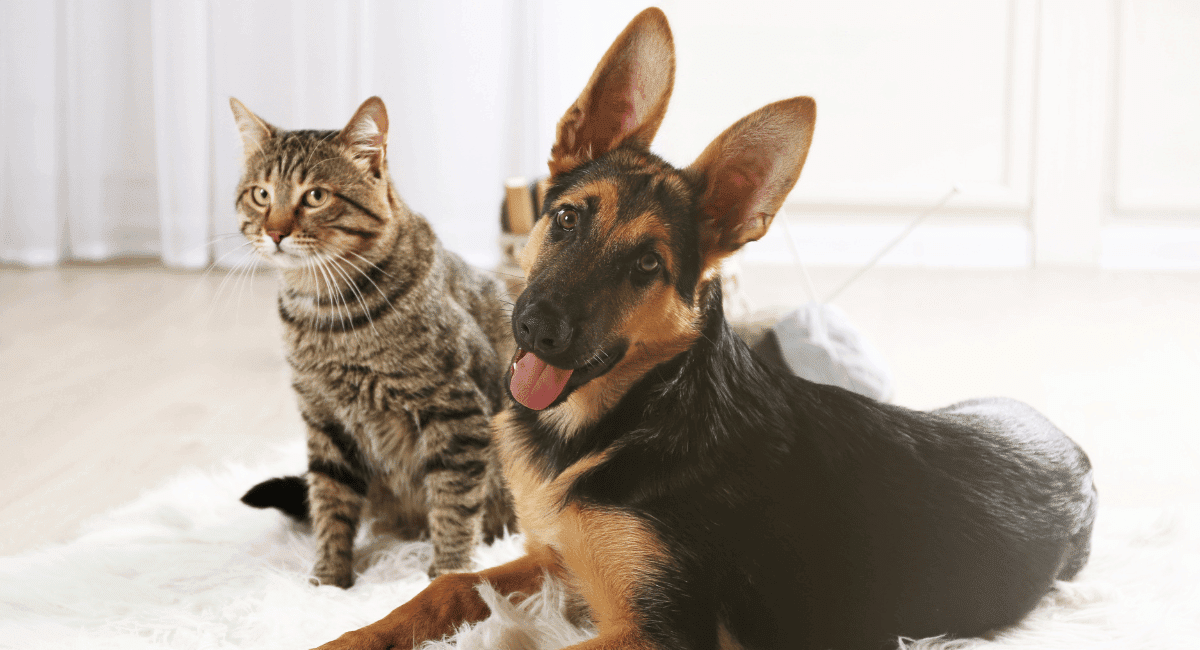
{"x": 188, "y": 566}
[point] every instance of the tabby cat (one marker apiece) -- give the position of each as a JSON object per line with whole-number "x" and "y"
{"x": 396, "y": 347}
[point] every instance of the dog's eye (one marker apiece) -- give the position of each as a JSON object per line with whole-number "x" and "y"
{"x": 316, "y": 197}
{"x": 648, "y": 263}
{"x": 567, "y": 218}
{"x": 260, "y": 196}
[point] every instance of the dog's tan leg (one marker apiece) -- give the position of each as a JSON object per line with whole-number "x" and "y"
{"x": 627, "y": 639}
{"x": 449, "y": 601}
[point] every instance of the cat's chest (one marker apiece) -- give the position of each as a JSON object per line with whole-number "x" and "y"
{"x": 385, "y": 427}
{"x": 380, "y": 401}
{"x": 356, "y": 385}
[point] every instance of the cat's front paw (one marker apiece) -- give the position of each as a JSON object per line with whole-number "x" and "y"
{"x": 440, "y": 569}
{"x": 337, "y": 576}
{"x": 446, "y": 561}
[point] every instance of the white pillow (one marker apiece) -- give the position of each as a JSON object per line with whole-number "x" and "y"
{"x": 819, "y": 344}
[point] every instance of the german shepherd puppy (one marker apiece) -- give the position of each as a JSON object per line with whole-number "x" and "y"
{"x": 696, "y": 497}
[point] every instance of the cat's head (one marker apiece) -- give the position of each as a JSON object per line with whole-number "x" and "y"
{"x": 308, "y": 197}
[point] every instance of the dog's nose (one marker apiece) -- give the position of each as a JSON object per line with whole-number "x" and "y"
{"x": 540, "y": 328}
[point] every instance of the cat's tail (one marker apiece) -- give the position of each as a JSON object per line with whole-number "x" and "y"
{"x": 288, "y": 494}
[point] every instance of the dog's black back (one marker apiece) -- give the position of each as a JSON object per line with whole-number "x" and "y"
{"x": 812, "y": 517}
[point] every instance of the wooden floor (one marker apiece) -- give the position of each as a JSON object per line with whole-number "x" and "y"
{"x": 114, "y": 378}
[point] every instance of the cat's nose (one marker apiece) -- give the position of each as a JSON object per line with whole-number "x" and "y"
{"x": 277, "y": 229}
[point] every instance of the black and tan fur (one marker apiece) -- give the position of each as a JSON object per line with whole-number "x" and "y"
{"x": 697, "y": 497}
{"x": 396, "y": 346}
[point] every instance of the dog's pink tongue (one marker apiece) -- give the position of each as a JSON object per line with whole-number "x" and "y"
{"x": 536, "y": 383}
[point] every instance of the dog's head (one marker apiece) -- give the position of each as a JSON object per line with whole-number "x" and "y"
{"x": 625, "y": 243}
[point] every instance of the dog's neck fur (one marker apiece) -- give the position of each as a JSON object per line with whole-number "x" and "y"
{"x": 666, "y": 418}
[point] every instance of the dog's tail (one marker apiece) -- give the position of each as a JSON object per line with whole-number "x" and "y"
{"x": 289, "y": 494}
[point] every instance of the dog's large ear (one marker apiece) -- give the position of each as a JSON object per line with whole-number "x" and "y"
{"x": 365, "y": 136}
{"x": 255, "y": 132}
{"x": 625, "y": 100}
{"x": 748, "y": 171}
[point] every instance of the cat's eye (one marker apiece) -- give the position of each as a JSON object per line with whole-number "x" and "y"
{"x": 567, "y": 218}
{"x": 260, "y": 196}
{"x": 316, "y": 197}
{"x": 648, "y": 263}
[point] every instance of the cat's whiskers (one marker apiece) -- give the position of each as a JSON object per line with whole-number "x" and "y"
{"x": 209, "y": 270}
{"x": 231, "y": 252}
{"x": 336, "y": 260}
{"x": 236, "y": 271}
{"x": 314, "y": 285}
{"x": 366, "y": 275}
{"x": 318, "y": 282}
{"x": 333, "y": 294}
{"x": 372, "y": 264}
{"x": 214, "y": 240}
{"x": 497, "y": 272}
{"x": 311, "y": 284}
{"x": 232, "y": 271}
{"x": 247, "y": 269}
{"x": 326, "y": 263}
{"x": 339, "y": 296}
{"x": 506, "y": 308}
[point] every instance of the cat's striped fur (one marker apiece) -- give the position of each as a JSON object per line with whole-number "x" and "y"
{"x": 396, "y": 345}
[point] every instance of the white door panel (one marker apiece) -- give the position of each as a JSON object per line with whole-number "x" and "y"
{"x": 1158, "y": 107}
{"x": 911, "y": 97}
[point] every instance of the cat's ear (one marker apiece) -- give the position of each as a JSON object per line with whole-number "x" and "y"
{"x": 748, "y": 171}
{"x": 255, "y": 132}
{"x": 625, "y": 100}
{"x": 365, "y": 136}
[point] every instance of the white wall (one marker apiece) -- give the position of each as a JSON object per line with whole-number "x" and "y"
{"x": 1155, "y": 161}
{"x": 1067, "y": 124}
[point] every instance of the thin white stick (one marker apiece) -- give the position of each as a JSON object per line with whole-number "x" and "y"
{"x": 886, "y": 249}
{"x": 808, "y": 283}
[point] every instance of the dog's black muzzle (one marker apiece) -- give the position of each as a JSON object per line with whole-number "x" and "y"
{"x": 539, "y": 327}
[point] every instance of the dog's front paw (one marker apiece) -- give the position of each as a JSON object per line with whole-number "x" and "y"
{"x": 359, "y": 640}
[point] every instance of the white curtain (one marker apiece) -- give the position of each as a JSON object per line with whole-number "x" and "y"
{"x": 118, "y": 139}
